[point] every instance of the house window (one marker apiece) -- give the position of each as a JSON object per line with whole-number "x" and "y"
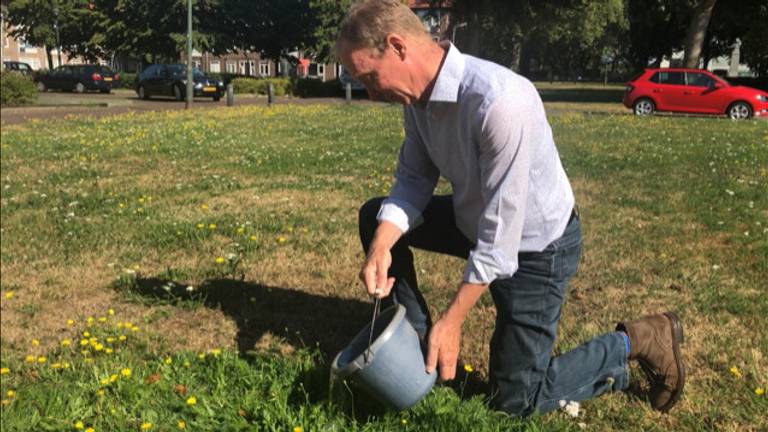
{"x": 264, "y": 68}
{"x": 252, "y": 67}
{"x": 321, "y": 69}
{"x": 241, "y": 67}
{"x": 215, "y": 66}
{"x": 231, "y": 67}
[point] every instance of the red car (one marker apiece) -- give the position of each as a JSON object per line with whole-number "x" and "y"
{"x": 693, "y": 91}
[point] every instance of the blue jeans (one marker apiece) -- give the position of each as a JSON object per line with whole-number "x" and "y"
{"x": 523, "y": 375}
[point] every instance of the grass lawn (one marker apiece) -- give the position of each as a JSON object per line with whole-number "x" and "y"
{"x": 175, "y": 270}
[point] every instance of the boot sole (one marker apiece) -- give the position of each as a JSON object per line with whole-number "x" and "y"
{"x": 678, "y": 337}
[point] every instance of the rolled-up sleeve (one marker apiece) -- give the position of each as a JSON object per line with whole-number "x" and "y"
{"x": 508, "y": 132}
{"x": 415, "y": 180}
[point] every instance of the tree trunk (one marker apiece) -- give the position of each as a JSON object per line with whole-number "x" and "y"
{"x": 50, "y": 57}
{"x": 697, "y": 32}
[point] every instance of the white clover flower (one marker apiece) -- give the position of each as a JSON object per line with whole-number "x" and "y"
{"x": 190, "y": 288}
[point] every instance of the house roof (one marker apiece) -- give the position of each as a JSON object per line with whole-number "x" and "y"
{"x": 426, "y": 4}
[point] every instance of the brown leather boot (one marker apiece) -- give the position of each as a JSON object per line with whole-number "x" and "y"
{"x": 655, "y": 343}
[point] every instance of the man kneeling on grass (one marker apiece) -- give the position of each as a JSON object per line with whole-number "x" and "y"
{"x": 511, "y": 216}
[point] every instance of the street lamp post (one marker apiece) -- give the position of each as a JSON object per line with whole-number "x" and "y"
{"x": 56, "y": 26}
{"x": 453, "y": 37}
{"x": 190, "y": 83}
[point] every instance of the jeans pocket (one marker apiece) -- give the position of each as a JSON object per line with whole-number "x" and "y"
{"x": 536, "y": 263}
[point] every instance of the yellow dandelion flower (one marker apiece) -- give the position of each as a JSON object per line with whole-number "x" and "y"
{"x": 103, "y": 319}
{"x": 104, "y": 381}
{"x": 113, "y": 378}
{"x": 100, "y": 392}
{"x": 4, "y": 371}
{"x": 66, "y": 342}
{"x": 121, "y": 205}
{"x": 86, "y": 334}
{"x": 403, "y": 422}
{"x": 212, "y": 226}
{"x": 41, "y": 360}
{"x": 125, "y": 372}
{"x": 65, "y": 365}
{"x": 89, "y": 320}
{"x": 253, "y": 238}
{"x": 70, "y": 322}
{"x": 736, "y": 372}
{"x": 120, "y": 325}
{"x": 11, "y": 394}
{"x": 240, "y": 230}
{"x": 35, "y": 342}
{"x": 98, "y": 347}
{"x": 191, "y": 400}
{"x": 220, "y": 260}
{"x": 56, "y": 365}
{"x": 281, "y": 240}
{"x": 468, "y": 368}
{"x": 5, "y": 402}
{"x": 88, "y": 360}
{"x": 135, "y": 329}
{"x": 141, "y": 200}
{"x": 121, "y": 338}
{"x": 90, "y": 429}
{"x": 146, "y": 426}
{"x": 201, "y": 356}
{"x": 204, "y": 206}
{"x": 298, "y": 429}
{"x": 182, "y": 424}
{"x": 168, "y": 360}
{"x": 83, "y": 342}
{"x": 759, "y": 391}
{"x": 186, "y": 364}
{"x": 110, "y": 339}
{"x": 9, "y": 295}
{"x": 200, "y": 226}
{"x": 215, "y": 352}
{"x": 111, "y": 312}
{"x": 79, "y": 425}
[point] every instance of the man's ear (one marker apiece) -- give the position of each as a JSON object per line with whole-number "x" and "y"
{"x": 398, "y": 44}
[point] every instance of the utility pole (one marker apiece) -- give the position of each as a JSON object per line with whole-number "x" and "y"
{"x": 190, "y": 83}
{"x": 56, "y": 26}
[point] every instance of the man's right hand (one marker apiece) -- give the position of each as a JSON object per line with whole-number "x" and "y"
{"x": 374, "y": 272}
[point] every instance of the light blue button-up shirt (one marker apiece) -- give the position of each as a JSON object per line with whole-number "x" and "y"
{"x": 484, "y": 130}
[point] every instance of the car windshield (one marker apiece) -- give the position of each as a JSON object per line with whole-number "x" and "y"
{"x": 180, "y": 71}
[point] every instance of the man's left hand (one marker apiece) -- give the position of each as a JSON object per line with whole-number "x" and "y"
{"x": 444, "y": 344}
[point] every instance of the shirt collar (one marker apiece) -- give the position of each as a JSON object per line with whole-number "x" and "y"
{"x": 446, "y": 87}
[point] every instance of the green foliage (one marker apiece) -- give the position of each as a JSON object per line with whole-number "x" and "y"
{"x": 328, "y": 15}
{"x": 128, "y": 80}
{"x": 280, "y": 86}
{"x": 16, "y": 89}
{"x": 308, "y": 87}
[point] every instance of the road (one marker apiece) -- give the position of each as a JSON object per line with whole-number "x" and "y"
{"x": 52, "y": 105}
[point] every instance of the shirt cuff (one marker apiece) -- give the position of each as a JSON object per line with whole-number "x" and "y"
{"x": 483, "y": 267}
{"x": 400, "y": 213}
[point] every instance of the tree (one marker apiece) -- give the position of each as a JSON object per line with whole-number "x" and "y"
{"x": 697, "y": 29}
{"x": 327, "y": 16}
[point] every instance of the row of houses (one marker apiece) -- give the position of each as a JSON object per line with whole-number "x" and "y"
{"x": 436, "y": 20}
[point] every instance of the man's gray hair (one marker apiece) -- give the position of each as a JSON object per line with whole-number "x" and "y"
{"x": 368, "y": 22}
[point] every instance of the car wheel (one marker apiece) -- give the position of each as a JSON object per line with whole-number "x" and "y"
{"x": 106, "y": 91}
{"x": 739, "y": 111}
{"x": 177, "y": 93}
{"x": 41, "y": 86}
{"x": 216, "y": 98}
{"x": 79, "y": 88}
{"x": 644, "y": 107}
{"x": 142, "y": 93}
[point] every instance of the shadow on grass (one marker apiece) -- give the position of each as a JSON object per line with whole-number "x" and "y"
{"x": 324, "y": 324}
{"x": 582, "y": 95}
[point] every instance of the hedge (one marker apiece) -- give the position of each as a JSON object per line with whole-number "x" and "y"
{"x": 280, "y": 86}
{"x": 308, "y": 87}
{"x": 16, "y": 89}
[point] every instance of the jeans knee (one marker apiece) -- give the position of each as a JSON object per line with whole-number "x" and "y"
{"x": 513, "y": 400}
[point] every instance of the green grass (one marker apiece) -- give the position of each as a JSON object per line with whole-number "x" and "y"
{"x": 254, "y": 209}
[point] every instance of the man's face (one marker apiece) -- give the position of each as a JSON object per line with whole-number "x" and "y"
{"x": 382, "y": 73}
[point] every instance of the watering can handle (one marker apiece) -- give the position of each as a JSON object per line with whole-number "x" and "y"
{"x": 376, "y": 311}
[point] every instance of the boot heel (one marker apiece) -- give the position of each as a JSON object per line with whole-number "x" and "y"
{"x": 677, "y": 327}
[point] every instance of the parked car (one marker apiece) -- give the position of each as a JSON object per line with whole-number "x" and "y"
{"x": 16, "y": 66}
{"x": 692, "y": 91}
{"x": 79, "y": 78}
{"x": 171, "y": 80}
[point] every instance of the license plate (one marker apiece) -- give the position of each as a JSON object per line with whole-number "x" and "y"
{"x": 209, "y": 89}
{"x": 107, "y": 79}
